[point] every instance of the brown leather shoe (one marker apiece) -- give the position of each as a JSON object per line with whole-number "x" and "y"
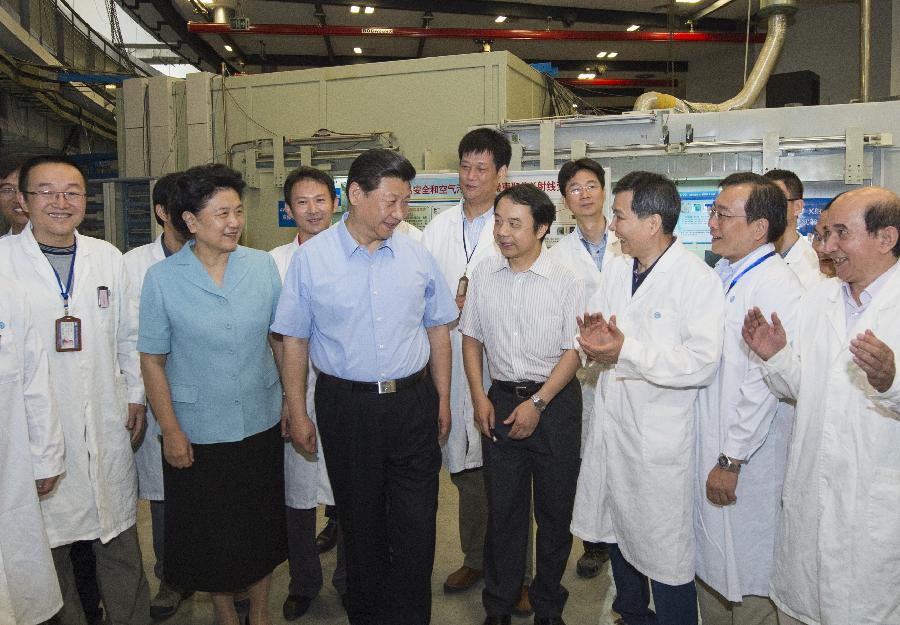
{"x": 461, "y": 579}
{"x": 523, "y": 605}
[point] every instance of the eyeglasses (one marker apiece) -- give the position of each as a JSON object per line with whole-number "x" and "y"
{"x": 8, "y": 191}
{"x": 577, "y": 190}
{"x": 46, "y": 196}
{"x": 718, "y": 214}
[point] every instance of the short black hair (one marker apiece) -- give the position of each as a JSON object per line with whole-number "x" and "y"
{"x": 372, "y": 165}
{"x": 487, "y": 140}
{"x": 10, "y": 163}
{"x": 766, "y": 201}
{"x": 162, "y": 191}
{"x": 569, "y": 169}
{"x": 884, "y": 213}
{"x": 790, "y": 179}
{"x": 46, "y": 159}
{"x": 308, "y": 173}
{"x": 654, "y": 194}
{"x": 543, "y": 211}
{"x": 195, "y": 187}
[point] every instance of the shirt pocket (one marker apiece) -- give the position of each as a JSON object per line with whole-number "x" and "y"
{"x": 10, "y": 366}
{"x": 184, "y": 394}
{"x": 662, "y": 325}
{"x": 542, "y": 340}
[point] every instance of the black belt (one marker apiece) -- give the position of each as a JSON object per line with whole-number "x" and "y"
{"x": 383, "y": 387}
{"x": 523, "y": 390}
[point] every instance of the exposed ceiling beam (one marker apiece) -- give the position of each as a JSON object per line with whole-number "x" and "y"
{"x": 710, "y": 8}
{"x": 476, "y": 33}
{"x": 320, "y": 15}
{"x": 567, "y": 15}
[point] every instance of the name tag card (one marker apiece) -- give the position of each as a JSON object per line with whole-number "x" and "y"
{"x": 68, "y": 334}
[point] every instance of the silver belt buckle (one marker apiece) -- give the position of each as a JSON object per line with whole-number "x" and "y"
{"x": 387, "y": 386}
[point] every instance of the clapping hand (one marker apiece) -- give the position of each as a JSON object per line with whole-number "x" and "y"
{"x": 763, "y": 338}
{"x": 601, "y": 340}
{"x": 875, "y": 358}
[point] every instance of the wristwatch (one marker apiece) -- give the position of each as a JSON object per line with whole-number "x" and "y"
{"x": 539, "y": 403}
{"x": 726, "y": 464}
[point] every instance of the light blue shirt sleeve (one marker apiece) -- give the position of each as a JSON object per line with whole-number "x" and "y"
{"x": 275, "y": 279}
{"x": 440, "y": 306}
{"x": 293, "y": 314}
{"x": 155, "y": 332}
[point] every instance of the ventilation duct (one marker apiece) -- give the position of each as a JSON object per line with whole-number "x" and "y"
{"x": 778, "y": 12}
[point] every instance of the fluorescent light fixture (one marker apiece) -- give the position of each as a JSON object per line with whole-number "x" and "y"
{"x": 574, "y": 106}
{"x": 601, "y": 55}
{"x": 633, "y": 28}
{"x": 500, "y": 19}
{"x": 369, "y": 10}
{"x": 228, "y": 48}
{"x": 354, "y": 9}
{"x": 612, "y": 55}
{"x": 686, "y": 1}
{"x": 586, "y": 76}
{"x": 357, "y": 50}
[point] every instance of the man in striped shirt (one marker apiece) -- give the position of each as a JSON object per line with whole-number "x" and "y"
{"x": 521, "y": 310}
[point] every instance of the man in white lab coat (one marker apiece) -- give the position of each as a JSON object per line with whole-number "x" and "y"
{"x": 795, "y": 249}
{"x": 148, "y": 456}
{"x": 655, "y": 326}
{"x": 31, "y": 455}
{"x": 310, "y": 200}
{"x": 11, "y": 210}
{"x": 459, "y": 238}
{"x": 742, "y": 429}
{"x": 585, "y": 251}
{"x": 85, "y": 311}
{"x": 839, "y": 538}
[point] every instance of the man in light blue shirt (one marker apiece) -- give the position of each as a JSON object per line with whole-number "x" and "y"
{"x": 371, "y": 311}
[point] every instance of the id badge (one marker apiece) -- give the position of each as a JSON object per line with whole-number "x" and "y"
{"x": 102, "y": 297}
{"x": 68, "y": 334}
{"x": 462, "y": 287}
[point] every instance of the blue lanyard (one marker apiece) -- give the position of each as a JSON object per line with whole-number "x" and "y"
{"x": 66, "y": 292}
{"x": 758, "y": 261}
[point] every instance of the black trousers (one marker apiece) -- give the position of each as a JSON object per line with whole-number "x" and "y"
{"x": 548, "y": 462}
{"x": 383, "y": 461}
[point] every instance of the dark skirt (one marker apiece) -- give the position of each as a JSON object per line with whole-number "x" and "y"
{"x": 224, "y": 515}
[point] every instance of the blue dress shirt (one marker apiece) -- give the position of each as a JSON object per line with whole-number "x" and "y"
{"x": 364, "y": 314}
{"x": 596, "y": 250}
{"x": 224, "y": 382}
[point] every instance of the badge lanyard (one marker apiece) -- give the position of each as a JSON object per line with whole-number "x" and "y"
{"x": 68, "y": 328}
{"x": 463, "y": 285}
{"x": 758, "y": 261}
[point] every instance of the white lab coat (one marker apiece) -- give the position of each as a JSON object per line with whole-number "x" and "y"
{"x": 97, "y": 497}
{"x": 148, "y": 456}
{"x": 31, "y": 447}
{"x": 409, "y": 230}
{"x": 305, "y": 476}
{"x": 635, "y": 484}
{"x": 804, "y": 262}
{"x": 740, "y": 417}
{"x": 838, "y": 544}
{"x": 443, "y": 237}
{"x": 571, "y": 252}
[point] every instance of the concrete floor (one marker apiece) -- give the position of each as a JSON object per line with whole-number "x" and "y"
{"x": 589, "y": 599}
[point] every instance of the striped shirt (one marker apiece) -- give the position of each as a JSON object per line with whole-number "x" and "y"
{"x": 525, "y": 320}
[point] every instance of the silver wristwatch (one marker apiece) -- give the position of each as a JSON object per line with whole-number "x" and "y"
{"x": 539, "y": 403}
{"x": 727, "y": 464}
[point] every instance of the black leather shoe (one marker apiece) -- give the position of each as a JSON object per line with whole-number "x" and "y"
{"x": 295, "y": 606}
{"x": 549, "y": 620}
{"x": 327, "y": 538}
{"x": 497, "y": 620}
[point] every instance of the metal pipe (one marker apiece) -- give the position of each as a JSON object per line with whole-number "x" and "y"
{"x": 470, "y": 33}
{"x": 865, "y": 48}
{"x": 765, "y": 63}
{"x": 222, "y": 14}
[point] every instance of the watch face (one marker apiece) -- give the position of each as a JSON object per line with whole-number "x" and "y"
{"x": 723, "y": 461}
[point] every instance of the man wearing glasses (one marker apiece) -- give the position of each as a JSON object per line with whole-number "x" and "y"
{"x": 796, "y": 250}
{"x": 742, "y": 428}
{"x": 10, "y": 209}
{"x": 86, "y": 313}
{"x": 585, "y": 251}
